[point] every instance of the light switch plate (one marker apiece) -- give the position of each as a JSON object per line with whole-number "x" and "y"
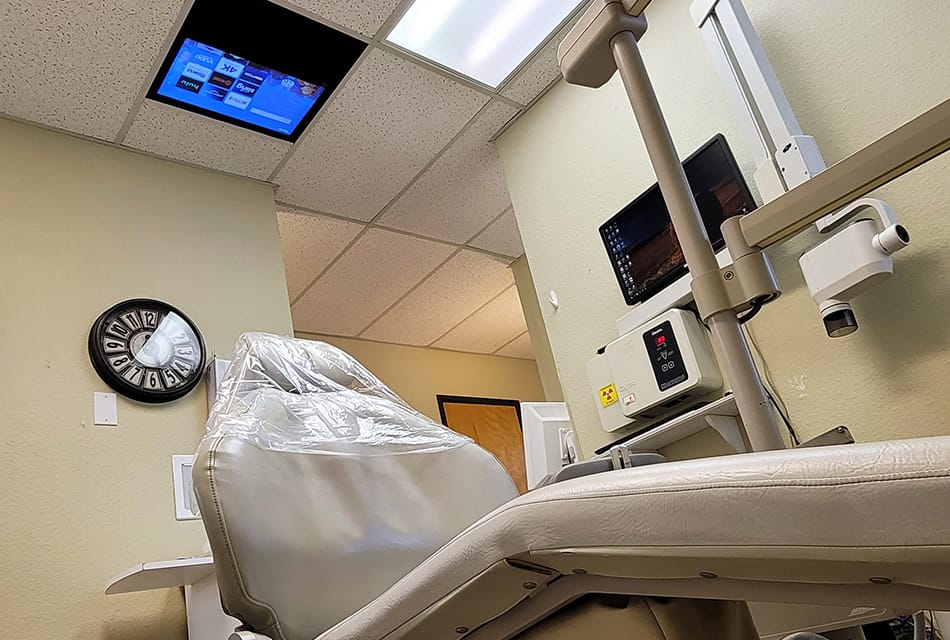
{"x": 106, "y": 410}
{"x": 186, "y": 508}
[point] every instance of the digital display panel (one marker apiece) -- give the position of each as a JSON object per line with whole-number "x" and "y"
{"x": 640, "y": 240}
{"x": 668, "y": 366}
{"x": 213, "y": 80}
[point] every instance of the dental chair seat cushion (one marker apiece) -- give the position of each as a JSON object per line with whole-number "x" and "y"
{"x": 863, "y": 498}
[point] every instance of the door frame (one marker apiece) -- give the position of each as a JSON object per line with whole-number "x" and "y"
{"x": 497, "y": 402}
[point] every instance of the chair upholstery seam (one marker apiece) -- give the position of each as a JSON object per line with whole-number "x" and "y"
{"x": 739, "y": 484}
{"x": 212, "y": 450}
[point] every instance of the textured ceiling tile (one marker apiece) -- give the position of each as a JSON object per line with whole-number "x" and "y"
{"x": 489, "y": 328}
{"x": 373, "y": 274}
{"x": 518, "y": 348}
{"x": 387, "y": 122}
{"x": 455, "y": 291}
{"x": 310, "y": 243}
{"x": 79, "y": 65}
{"x": 501, "y": 237}
{"x": 540, "y": 71}
{"x": 181, "y": 135}
{"x": 364, "y": 16}
{"x": 465, "y": 188}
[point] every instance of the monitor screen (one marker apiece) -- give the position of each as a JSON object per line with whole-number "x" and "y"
{"x": 213, "y": 80}
{"x": 640, "y": 241}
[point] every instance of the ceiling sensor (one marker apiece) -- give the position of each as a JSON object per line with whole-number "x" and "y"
{"x": 254, "y": 64}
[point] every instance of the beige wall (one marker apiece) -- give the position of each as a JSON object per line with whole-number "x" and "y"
{"x": 417, "y": 374}
{"x": 83, "y": 226}
{"x": 853, "y": 70}
{"x": 537, "y": 331}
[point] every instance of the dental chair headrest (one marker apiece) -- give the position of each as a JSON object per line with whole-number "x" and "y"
{"x": 302, "y": 366}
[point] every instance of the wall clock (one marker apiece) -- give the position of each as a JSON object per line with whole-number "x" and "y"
{"x": 147, "y": 350}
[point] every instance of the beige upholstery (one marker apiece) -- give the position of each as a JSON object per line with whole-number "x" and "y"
{"x": 855, "y": 525}
{"x": 319, "y": 488}
{"x": 290, "y": 555}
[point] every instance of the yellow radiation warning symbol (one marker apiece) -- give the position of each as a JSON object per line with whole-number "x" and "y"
{"x": 608, "y": 395}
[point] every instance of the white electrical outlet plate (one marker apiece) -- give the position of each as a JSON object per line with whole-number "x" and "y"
{"x": 106, "y": 409}
{"x": 186, "y": 508}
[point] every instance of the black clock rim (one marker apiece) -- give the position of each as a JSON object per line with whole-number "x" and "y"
{"x": 119, "y": 384}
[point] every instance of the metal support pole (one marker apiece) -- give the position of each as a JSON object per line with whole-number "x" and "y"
{"x": 754, "y": 406}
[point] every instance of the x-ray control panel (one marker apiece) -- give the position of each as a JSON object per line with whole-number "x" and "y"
{"x": 668, "y": 365}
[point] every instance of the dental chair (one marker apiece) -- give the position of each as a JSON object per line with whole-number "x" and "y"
{"x": 337, "y": 512}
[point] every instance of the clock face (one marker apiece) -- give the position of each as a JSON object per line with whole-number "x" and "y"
{"x": 147, "y": 350}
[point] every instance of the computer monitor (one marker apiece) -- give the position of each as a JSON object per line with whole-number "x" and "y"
{"x": 640, "y": 241}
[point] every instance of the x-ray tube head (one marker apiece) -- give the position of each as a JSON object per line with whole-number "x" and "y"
{"x": 846, "y": 264}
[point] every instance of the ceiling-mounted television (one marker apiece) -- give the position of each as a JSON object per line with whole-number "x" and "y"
{"x": 254, "y": 64}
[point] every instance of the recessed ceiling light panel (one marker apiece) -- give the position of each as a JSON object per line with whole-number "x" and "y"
{"x": 483, "y": 39}
{"x": 254, "y": 64}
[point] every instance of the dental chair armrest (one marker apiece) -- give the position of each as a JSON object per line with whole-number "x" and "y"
{"x": 598, "y": 465}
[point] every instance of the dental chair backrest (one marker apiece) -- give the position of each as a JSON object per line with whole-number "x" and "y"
{"x": 319, "y": 487}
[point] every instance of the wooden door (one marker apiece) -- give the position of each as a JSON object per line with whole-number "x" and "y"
{"x": 495, "y": 425}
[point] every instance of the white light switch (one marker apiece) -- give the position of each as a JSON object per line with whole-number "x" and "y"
{"x": 106, "y": 409}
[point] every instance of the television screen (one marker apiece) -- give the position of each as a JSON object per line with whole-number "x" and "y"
{"x": 210, "y": 79}
{"x": 640, "y": 241}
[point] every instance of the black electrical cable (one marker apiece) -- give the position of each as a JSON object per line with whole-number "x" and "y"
{"x": 788, "y": 423}
{"x": 757, "y": 305}
{"x": 751, "y": 313}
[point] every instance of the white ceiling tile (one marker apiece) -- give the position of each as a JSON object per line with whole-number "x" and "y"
{"x": 535, "y": 77}
{"x": 540, "y": 72}
{"x": 387, "y": 122}
{"x": 489, "y": 328}
{"x": 501, "y": 237}
{"x": 373, "y": 274}
{"x": 455, "y": 291}
{"x": 364, "y": 16}
{"x": 463, "y": 190}
{"x": 182, "y": 135}
{"x": 518, "y": 348}
{"x": 79, "y": 65}
{"x": 310, "y": 243}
